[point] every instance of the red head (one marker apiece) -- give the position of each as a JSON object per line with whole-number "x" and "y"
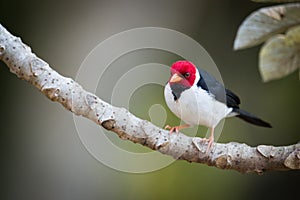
{"x": 184, "y": 73}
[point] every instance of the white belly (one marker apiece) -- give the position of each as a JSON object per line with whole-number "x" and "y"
{"x": 196, "y": 107}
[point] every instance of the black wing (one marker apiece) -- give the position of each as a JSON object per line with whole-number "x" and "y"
{"x": 211, "y": 85}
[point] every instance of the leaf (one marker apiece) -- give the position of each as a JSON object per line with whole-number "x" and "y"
{"x": 280, "y": 56}
{"x": 275, "y": 1}
{"x": 265, "y": 22}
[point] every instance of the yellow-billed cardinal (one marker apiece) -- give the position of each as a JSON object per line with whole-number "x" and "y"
{"x": 197, "y": 98}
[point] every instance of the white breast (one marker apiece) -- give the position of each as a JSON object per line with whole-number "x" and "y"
{"x": 196, "y": 107}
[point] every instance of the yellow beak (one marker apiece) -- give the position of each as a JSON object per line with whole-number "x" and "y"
{"x": 175, "y": 78}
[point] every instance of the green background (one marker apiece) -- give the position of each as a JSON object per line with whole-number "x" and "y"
{"x": 41, "y": 153}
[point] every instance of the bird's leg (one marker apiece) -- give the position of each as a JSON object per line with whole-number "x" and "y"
{"x": 210, "y": 140}
{"x": 176, "y": 128}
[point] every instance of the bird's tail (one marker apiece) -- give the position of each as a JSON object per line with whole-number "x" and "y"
{"x": 248, "y": 117}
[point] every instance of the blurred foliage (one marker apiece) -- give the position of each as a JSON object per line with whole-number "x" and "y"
{"x": 277, "y": 58}
{"x": 275, "y": 1}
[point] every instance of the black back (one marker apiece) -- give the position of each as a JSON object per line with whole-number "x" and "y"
{"x": 213, "y": 86}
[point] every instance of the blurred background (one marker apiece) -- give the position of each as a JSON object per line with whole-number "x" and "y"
{"x": 42, "y": 156}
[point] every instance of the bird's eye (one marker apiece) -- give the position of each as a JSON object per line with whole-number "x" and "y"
{"x": 187, "y": 75}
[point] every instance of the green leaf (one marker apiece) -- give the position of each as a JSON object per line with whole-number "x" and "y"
{"x": 266, "y": 22}
{"x": 280, "y": 56}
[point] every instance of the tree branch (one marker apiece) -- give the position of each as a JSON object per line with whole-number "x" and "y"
{"x": 240, "y": 157}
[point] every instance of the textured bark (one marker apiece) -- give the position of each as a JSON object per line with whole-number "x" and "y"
{"x": 240, "y": 157}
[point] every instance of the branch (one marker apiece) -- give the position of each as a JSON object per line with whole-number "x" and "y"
{"x": 240, "y": 157}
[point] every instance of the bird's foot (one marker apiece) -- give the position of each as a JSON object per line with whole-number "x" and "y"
{"x": 197, "y": 141}
{"x": 210, "y": 141}
{"x": 176, "y": 128}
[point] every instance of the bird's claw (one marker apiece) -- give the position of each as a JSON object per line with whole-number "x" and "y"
{"x": 176, "y": 128}
{"x": 210, "y": 141}
{"x": 172, "y": 129}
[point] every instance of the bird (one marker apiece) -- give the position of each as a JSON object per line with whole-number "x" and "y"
{"x": 197, "y": 98}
